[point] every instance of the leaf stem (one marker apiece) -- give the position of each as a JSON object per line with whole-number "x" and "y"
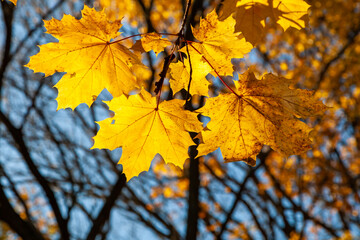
{"x": 222, "y": 80}
{"x": 119, "y": 40}
{"x": 169, "y": 34}
{"x": 192, "y": 41}
{"x": 186, "y": 14}
{"x": 171, "y": 56}
{"x": 162, "y": 75}
{"x": 141, "y": 34}
{"x": 191, "y": 70}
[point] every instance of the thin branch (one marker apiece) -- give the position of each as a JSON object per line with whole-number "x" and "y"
{"x": 104, "y": 214}
{"x": 351, "y": 40}
{"x": 186, "y": 14}
{"x": 17, "y": 194}
{"x": 256, "y": 219}
{"x": 8, "y": 12}
{"x": 306, "y": 215}
{"x": 262, "y": 156}
{"x": 37, "y": 26}
{"x": 191, "y": 71}
{"x": 18, "y": 138}
{"x": 25, "y": 229}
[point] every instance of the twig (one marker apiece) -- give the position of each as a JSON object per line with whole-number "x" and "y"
{"x": 191, "y": 71}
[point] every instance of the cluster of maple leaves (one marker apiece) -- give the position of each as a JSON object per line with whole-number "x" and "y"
{"x": 254, "y": 113}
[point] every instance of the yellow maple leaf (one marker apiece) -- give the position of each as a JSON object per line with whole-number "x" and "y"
{"x": 289, "y": 13}
{"x": 152, "y": 41}
{"x": 90, "y": 60}
{"x": 142, "y": 130}
{"x": 218, "y": 42}
{"x": 251, "y": 15}
{"x": 263, "y": 112}
{"x": 180, "y": 74}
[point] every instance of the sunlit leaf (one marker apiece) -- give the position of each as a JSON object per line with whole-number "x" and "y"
{"x": 91, "y": 61}
{"x": 265, "y": 111}
{"x": 143, "y": 130}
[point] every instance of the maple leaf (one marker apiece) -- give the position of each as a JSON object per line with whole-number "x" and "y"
{"x": 90, "y": 60}
{"x": 152, "y": 41}
{"x": 263, "y": 112}
{"x": 251, "y": 15}
{"x": 180, "y": 74}
{"x": 219, "y": 44}
{"x": 290, "y": 12}
{"x": 143, "y": 130}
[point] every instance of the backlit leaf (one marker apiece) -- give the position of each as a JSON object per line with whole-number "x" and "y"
{"x": 144, "y": 131}
{"x": 90, "y": 60}
{"x": 218, "y": 42}
{"x": 180, "y": 74}
{"x": 251, "y": 15}
{"x": 264, "y": 112}
{"x": 153, "y": 41}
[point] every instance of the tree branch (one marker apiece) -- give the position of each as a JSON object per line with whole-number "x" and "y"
{"x": 104, "y": 213}
{"x": 261, "y": 156}
{"x": 25, "y": 229}
{"x": 351, "y": 40}
{"x": 8, "y": 12}
{"x": 18, "y": 138}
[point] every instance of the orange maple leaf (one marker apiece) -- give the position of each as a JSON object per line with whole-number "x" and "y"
{"x": 263, "y": 112}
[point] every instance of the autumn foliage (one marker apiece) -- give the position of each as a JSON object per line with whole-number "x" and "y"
{"x": 153, "y": 119}
{"x": 255, "y": 113}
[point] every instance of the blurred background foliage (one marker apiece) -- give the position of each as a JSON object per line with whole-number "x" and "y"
{"x": 53, "y": 187}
